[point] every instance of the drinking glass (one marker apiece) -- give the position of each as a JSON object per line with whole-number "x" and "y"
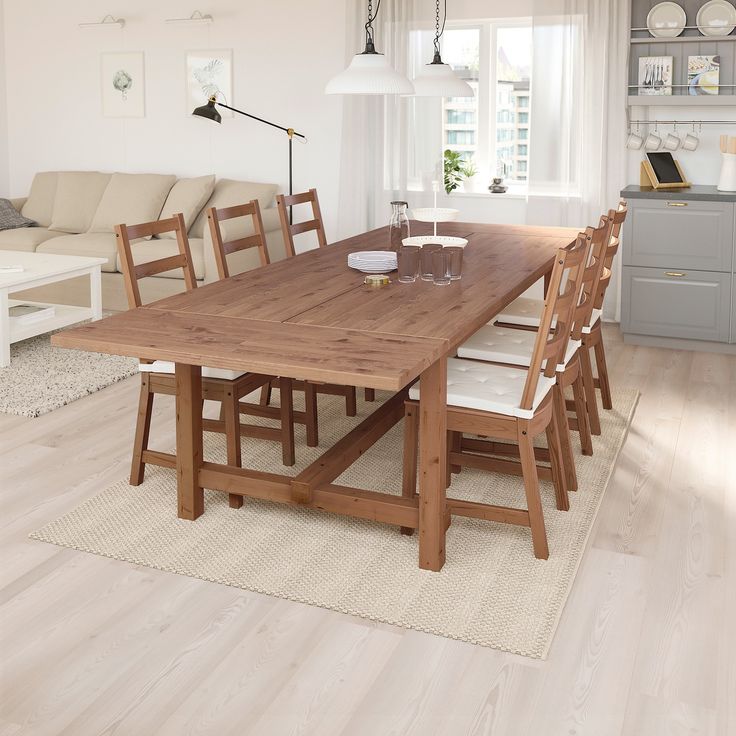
{"x": 425, "y": 260}
{"x": 408, "y": 258}
{"x": 455, "y": 254}
{"x": 441, "y": 267}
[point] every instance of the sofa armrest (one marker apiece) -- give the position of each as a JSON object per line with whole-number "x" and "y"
{"x": 245, "y": 260}
{"x": 18, "y": 202}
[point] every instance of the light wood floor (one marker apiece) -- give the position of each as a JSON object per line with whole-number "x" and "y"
{"x": 646, "y": 645}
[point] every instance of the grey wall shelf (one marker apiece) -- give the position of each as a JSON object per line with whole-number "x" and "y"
{"x": 690, "y": 43}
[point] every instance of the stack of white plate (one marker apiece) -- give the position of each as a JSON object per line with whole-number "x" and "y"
{"x": 373, "y": 261}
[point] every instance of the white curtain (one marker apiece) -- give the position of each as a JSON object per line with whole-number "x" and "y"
{"x": 578, "y": 115}
{"x": 389, "y": 144}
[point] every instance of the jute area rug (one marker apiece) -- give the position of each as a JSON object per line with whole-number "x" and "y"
{"x": 41, "y": 377}
{"x": 492, "y": 591}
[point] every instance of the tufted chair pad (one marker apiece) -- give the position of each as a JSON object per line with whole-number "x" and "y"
{"x": 523, "y": 311}
{"x": 506, "y": 345}
{"x": 165, "y": 366}
{"x": 492, "y": 388}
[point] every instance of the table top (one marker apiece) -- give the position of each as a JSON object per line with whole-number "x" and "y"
{"x": 41, "y": 265}
{"x": 311, "y": 317}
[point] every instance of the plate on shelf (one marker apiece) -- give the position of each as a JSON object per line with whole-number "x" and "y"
{"x": 435, "y": 214}
{"x": 666, "y": 20}
{"x": 446, "y": 240}
{"x": 716, "y": 18}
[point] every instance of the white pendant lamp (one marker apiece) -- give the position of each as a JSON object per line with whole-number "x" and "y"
{"x": 369, "y": 73}
{"x": 438, "y": 79}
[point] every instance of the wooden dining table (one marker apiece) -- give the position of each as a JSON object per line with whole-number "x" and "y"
{"x": 312, "y": 318}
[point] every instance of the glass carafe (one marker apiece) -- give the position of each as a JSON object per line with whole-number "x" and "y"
{"x": 398, "y": 227}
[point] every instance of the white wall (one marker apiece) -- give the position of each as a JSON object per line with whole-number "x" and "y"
{"x": 4, "y": 182}
{"x": 702, "y": 166}
{"x": 283, "y": 54}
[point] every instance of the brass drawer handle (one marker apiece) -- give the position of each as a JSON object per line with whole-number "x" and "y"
{"x": 677, "y": 204}
{"x": 675, "y": 274}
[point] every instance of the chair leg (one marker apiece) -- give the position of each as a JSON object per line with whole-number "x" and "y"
{"x": 370, "y": 394}
{"x": 409, "y": 475}
{"x": 578, "y": 392}
{"x": 266, "y": 394}
{"x": 142, "y": 430}
{"x": 351, "y": 403}
{"x": 531, "y": 485}
{"x": 287, "y": 421}
{"x": 555, "y": 456}
{"x": 600, "y": 362}
{"x": 230, "y": 407}
{"x": 310, "y": 408}
{"x": 568, "y": 459}
{"x": 456, "y": 444}
{"x": 591, "y": 400}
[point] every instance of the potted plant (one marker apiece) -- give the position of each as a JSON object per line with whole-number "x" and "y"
{"x": 457, "y": 169}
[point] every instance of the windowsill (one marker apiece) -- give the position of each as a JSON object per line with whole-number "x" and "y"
{"x": 515, "y": 193}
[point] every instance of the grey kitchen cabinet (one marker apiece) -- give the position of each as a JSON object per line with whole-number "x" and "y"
{"x": 693, "y": 305}
{"x": 679, "y": 266}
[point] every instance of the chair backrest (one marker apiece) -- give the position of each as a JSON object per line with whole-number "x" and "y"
{"x": 224, "y": 248}
{"x": 562, "y": 298}
{"x": 124, "y": 234}
{"x": 594, "y": 271}
{"x": 618, "y": 217}
{"x": 284, "y": 201}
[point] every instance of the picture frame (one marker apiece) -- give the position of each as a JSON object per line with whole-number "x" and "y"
{"x": 655, "y": 75}
{"x": 122, "y": 76}
{"x": 703, "y": 74}
{"x": 209, "y": 72}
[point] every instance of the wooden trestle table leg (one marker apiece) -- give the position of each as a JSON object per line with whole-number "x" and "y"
{"x": 432, "y": 466}
{"x": 189, "y": 453}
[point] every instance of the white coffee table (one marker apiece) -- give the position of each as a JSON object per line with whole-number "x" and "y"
{"x": 40, "y": 269}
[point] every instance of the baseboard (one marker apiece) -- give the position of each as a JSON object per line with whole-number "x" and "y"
{"x": 676, "y": 343}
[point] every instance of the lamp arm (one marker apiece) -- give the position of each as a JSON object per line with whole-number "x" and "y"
{"x": 290, "y": 131}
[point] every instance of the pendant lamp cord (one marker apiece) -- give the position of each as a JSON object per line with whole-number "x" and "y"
{"x": 438, "y": 31}
{"x": 369, "y": 25}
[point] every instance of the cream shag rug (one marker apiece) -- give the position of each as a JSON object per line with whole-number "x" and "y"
{"x": 41, "y": 377}
{"x": 492, "y": 591}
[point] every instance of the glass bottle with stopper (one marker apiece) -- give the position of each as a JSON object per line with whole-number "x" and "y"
{"x": 398, "y": 227}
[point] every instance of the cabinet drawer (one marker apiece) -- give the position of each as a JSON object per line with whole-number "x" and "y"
{"x": 680, "y": 234}
{"x": 674, "y": 303}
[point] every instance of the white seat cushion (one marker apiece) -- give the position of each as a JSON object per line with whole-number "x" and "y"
{"x": 165, "y": 366}
{"x": 506, "y": 345}
{"x": 492, "y": 388}
{"x": 595, "y": 315}
{"x": 523, "y": 311}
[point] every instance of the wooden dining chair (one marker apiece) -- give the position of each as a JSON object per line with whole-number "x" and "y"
{"x": 511, "y": 404}
{"x": 223, "y": 248}
{"x": 158, "y": 377}
{"x": 592, "y": 336}
{"x": 289, "y": 231}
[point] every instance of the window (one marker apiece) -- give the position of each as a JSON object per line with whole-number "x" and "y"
{"x": 495, "y": 58}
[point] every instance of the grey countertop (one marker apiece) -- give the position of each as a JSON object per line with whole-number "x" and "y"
{"x": 696, "y": 192}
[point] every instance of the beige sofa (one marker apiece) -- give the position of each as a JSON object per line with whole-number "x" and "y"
{"x": 77, "y": 211}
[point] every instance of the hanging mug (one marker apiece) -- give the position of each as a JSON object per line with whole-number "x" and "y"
{"x": 690, "y": 141}
{"x": 653, "y": 141}
{"x": 634, "y": 140}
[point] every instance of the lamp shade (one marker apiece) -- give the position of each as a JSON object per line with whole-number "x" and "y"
{"x": 208, "y": 111}
{"x": 369, "y": 74}
{"x": 439, "y": 80}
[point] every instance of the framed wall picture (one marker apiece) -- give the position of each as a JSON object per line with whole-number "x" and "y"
{"x": 703, "y": 75}
{"x": 123, "y": 85}
{"x": 209, "y": 72}
{"x": 655, "y": 75}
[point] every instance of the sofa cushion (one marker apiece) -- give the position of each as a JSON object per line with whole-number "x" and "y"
{"x": 78, "y": 193}
{"x": 187, "y": 196}
{"x": 151, "y": 250}
{"x": 40, "y": 203}
{"x": 228, "y": 193}
{"x": 131, "y": 199}
{"x": 96, "y": 245}
{"x": 25, "y": 238}
{"x": 10, "y": 218}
